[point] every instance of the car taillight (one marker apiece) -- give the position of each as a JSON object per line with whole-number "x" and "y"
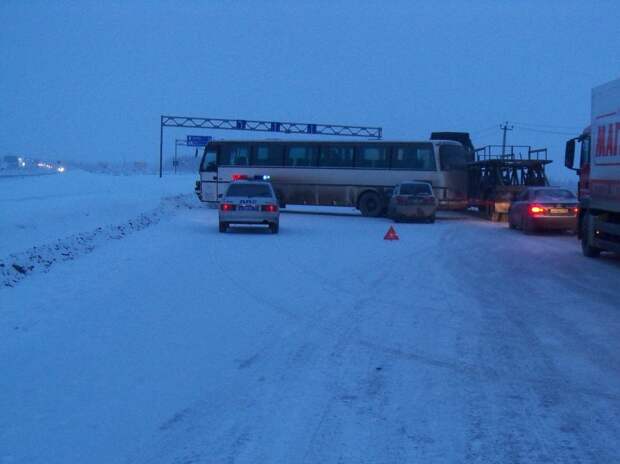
{"x": 536, "y": 209}
{"x": 576, "y": 210}
{"x": 227, "y": 207}
{"x": 269, "y": 208}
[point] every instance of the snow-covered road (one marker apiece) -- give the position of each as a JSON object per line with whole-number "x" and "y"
{"x": 462, "y": 342}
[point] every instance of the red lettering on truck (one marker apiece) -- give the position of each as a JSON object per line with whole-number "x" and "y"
{"x": 600, "y": 141}
{"x": 610, "y": 151}
{"x": 608, "y": 140}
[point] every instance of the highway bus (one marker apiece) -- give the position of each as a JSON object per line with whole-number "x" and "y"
{"x": 361, "y": 174}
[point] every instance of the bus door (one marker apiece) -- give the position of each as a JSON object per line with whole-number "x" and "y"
{"x": 209, "y": 185}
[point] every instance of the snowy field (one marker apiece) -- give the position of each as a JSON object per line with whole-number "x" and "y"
{"x": 142, "y": 335}
{"x": 38, "y": 209}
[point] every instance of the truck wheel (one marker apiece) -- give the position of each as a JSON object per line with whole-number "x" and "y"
{"x": 223, "y": 227}
{"x": 370, "y": 204}
{"x": 588, "y": 250}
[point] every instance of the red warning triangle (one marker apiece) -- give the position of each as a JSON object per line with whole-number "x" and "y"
{"x": 391, "y": 234}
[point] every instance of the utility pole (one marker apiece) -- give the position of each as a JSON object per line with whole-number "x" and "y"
{"x": 174, "y": 162}
{"x": 161, "y": 146}
{"x": 505, "y": 127}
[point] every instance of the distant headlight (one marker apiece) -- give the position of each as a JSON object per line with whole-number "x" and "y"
{"x": 61, "y": 169}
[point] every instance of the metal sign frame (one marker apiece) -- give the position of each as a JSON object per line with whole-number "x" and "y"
{"x": 262, "y": 126}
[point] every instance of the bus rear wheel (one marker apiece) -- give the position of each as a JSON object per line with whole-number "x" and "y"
{"x": 370, "y": 204}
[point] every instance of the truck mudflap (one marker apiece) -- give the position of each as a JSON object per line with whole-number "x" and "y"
{"x": 502, "y": 207}
{"x": 605, "y": 235}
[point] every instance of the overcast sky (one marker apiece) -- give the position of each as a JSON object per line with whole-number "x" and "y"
{"x": 81, "y": 80}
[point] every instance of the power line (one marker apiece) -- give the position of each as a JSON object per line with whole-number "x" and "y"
{"x": 547, "y": 131}
{"x": 551, "y": 126}
{"x": 486, "y": 129}
{"x": 523, "y": 127}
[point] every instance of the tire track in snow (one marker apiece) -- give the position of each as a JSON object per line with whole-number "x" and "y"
{"x": 294, "y": 349}
{"x": 533, "y": 411}
{"x": 362, "y": 393}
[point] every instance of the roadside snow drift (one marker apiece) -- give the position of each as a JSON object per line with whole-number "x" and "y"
{"x": 40, "y": 209}
{"x": 59, "y": 217}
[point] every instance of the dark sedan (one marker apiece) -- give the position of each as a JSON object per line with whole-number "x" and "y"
{"x": 544, "y": 208}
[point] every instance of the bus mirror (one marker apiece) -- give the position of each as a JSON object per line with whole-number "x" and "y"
{"x": 569, "y": 154}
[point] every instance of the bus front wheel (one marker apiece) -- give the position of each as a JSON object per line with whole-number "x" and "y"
{"x": 370, "y": 204}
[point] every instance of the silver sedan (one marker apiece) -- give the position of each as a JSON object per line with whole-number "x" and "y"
{"x": 412, "y": 200}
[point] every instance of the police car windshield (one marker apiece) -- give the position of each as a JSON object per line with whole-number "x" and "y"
{"x": 249, "y": 190}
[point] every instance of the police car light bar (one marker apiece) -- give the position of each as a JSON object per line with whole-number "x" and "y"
{"x": 246, "y": 177}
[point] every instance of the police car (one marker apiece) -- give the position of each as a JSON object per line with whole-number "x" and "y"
{"x": 249, "y": 201}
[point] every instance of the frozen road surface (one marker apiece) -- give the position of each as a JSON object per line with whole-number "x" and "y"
{"x": 463, "y": 342}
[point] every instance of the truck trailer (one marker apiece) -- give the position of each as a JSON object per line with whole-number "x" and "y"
{"x": 599, "y": 172}
{"x": 500, "y": 173}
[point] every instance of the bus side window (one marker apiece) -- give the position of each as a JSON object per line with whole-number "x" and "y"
{"x": 336, "y": 156}
{"x": 267, "y": 155}
{"x": 235, "y": 155}
{"x": 299, "y": 155}
{"x": 415, "y": 157}
{"x": 372, "y": 157}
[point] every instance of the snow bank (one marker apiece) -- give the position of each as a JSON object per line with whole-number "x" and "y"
{"x": 57, "y": 218}
{"x": 38, "y": 210}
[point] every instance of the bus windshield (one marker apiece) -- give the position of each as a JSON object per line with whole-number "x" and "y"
{"x": 209, "y": 161}
{"x": 452, "y": 157}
